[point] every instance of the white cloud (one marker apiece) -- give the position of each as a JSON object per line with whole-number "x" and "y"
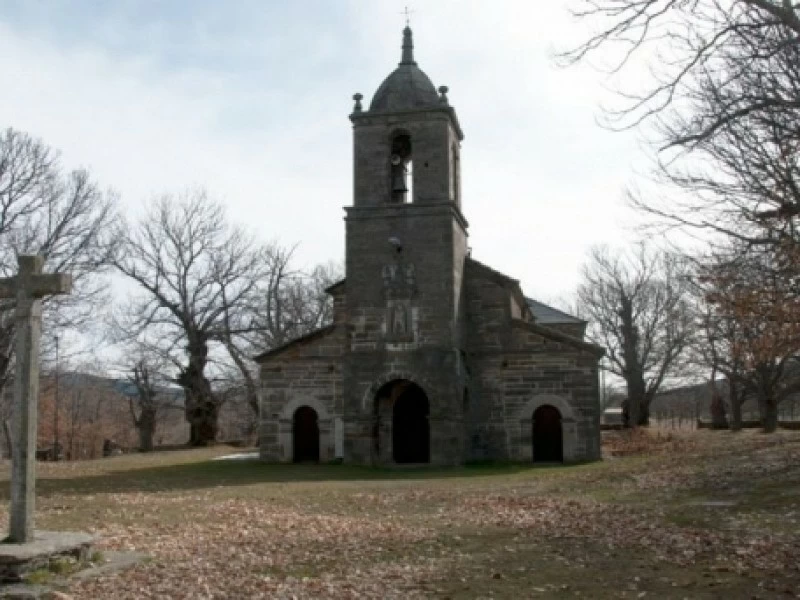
{"x": 541, "y": 181}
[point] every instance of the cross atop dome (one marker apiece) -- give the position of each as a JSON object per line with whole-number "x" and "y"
{"x": 407, "y": 87}
{"x": 407, "y": 13}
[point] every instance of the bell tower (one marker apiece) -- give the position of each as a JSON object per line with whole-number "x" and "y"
{"x": 407, "y": 144}
{"x": 406, "y": 242}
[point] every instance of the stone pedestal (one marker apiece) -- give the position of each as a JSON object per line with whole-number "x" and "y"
{"x": 17, "y": 560}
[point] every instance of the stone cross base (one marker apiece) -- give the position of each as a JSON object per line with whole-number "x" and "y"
{"x": 17, "y": 560}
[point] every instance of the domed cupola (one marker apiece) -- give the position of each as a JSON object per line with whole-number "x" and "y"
{"x": 407, "y": 145}
{"x": 407, "y": 87}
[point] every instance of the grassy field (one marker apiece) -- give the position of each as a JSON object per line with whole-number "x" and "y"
{"x": 698, "y": 515}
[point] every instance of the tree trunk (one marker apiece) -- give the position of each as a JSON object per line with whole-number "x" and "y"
{"x": 736, "y": 406}
{"x": 636, "y": 402}
{"x": 644, "y": 415}
{"x": 202, "y": 408}
{"x": 634, "y": 373}
{"x": 202, "y": 413}
{"x": 719, "y": 420}
{"x": 770, "y": 415}
{"x": 147, "y": 429}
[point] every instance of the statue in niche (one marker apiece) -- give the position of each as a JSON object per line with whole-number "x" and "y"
{"x": 410, "y": 274}
{"x": 388, "y": 273}
{"x": 400, "y": 319}
{"x": 399, "y": 285}
{"x": 399, "y": 276}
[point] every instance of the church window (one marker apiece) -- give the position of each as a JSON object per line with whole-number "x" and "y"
{"x": 402, "y": 177}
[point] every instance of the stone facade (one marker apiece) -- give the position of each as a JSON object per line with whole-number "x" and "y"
{"x": 432, "y": 357}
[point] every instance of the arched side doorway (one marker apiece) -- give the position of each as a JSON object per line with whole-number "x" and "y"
{"x": 305, "y": 435}
{"x": 401, "y": 415}
{"x": 548, "y": 444}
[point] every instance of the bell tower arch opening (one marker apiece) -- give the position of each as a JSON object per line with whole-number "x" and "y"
{"x": 401, "y": 168}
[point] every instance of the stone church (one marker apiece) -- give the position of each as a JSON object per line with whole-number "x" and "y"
{"x": 432, "y": 357}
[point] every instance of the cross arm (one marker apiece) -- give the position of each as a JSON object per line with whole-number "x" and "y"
{"x": 8, "y": 287}
{"x": 51, "y": 283}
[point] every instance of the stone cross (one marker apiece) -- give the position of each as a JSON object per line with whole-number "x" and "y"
{"x": 27, "y": 288}
{"x": 407, "y": 14}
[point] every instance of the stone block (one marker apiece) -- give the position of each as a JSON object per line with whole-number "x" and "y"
{"x": 17, "y": 560}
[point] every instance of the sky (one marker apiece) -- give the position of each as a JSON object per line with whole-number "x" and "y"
{"x": 251, "y": 98}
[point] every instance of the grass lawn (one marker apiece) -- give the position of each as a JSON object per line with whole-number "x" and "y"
{"x": 698, "y": 515}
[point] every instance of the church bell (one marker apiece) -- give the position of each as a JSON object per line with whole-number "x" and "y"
{"x": 399, "y": 181}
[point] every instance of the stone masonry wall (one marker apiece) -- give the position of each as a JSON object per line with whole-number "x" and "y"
{"x": 428, "y": 246}
{"x": 516, "y": 366}
{"x": 307, "y": 373}
{"x": 427, "y": 356}
{"x": 435, "y": 371}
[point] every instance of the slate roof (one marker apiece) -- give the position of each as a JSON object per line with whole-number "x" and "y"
{"x": 543, "y": 313}
{"x": 547, "y": 315}
{"x": 407, "y": 87}
{"x": 317, "y": 333}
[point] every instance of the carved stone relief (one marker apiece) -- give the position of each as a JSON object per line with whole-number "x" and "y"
{"x": 399, "y": 286}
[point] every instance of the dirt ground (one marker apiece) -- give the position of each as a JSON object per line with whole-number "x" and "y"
{"x": 691, "y": 515}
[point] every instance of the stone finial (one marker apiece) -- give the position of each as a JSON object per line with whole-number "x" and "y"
{"x": 408, "y": 47}
{"x": 443, "y": 89}
{"x": 357, "y": 108}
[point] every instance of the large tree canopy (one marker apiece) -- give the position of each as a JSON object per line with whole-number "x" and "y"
{"x": 717, "y": 85}
{"x": 195, "y": 273}
{"x": 65, "y": 216}
{"x": 637, "y": 306}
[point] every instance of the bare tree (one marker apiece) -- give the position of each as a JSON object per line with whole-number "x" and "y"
{"x": 62, "y": 215}
{"x": 296, "y": 301}
{"x": 288, "y": 304}
{"x": 268, "y": 315}
{"x": 27, "y": 170}
{"x": 638, "y": 306}
{"x": 723, "y": 107}
{"x": 742, "y": 180}
{"x": 723, "y": 102}
{"x": 195, "y": 272}
{"x": 752, "y": 330}
{"x": 685, "y": 42}
{"x": 714, "y": 346}
{"x": 144, "y": 405}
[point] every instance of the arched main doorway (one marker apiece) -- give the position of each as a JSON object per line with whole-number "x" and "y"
{"x": 305, "y": 435}
{"x": 410, "y": 409}
{"x": 548, "y": 443}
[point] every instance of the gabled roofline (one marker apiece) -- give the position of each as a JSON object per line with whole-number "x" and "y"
{"x": 317, "y": 333}
{"x": 330, "y": 289}
{"x": 506, "y": 281}
{"x": 559, "y": 336}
